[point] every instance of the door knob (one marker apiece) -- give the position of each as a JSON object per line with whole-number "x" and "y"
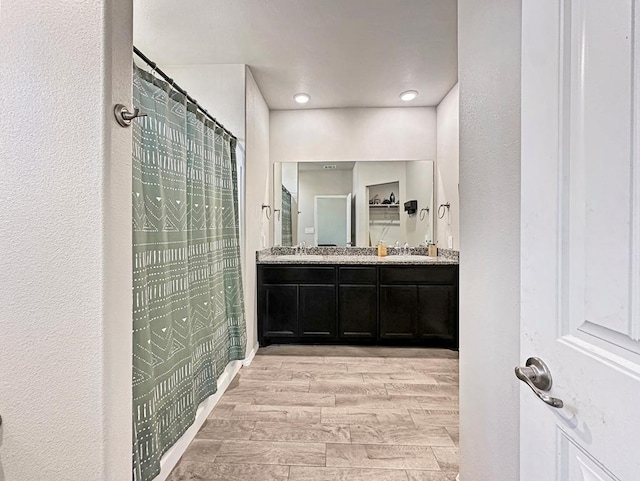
{"x": 537, "y": 376}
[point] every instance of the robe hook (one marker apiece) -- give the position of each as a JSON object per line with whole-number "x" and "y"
{"x": 268, "y": 207}
{"x": 442, "y": 210}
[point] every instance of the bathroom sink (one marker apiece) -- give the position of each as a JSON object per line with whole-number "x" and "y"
{"x": 299, "y": 257}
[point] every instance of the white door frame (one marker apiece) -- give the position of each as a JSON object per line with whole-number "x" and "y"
{"x": 489, "y": 34}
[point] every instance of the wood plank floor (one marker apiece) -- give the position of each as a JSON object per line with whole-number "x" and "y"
{"x": 333, "y": 413}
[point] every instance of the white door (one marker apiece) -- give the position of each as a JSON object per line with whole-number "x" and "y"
{"x": 332, "y": 215}
{"x": 581, "y": 238}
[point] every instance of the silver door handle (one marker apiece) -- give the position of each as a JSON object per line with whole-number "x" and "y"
{"x": 537, "y": 376}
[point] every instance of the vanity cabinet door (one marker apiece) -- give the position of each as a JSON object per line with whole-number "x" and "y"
{"x": 317, "y": 311}
{"x": 280, "y": 310}
{"x": 398, "y": 312}
{"x": 437, "y": 313}
{"x": 357, "y": 312}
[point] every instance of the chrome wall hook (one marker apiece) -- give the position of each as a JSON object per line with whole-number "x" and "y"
{"x": 268, "y": 207}
{"x": 422, "y": 213}
{"x": 278, "y": 211}
{"x": 442, "y": 209}
{"x": 124, "y": 116}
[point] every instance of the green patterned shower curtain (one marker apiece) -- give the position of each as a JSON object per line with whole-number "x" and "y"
{"x": 188, "y": 311}
{"x": 287, "y": 223}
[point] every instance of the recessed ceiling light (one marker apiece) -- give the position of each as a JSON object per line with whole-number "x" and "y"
{"x": 408, "y": 95}
{"x": 301, "y": 98}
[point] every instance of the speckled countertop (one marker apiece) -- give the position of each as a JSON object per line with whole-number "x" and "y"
{"x": 363, "y": 260}
{"x": 353, "y": 255}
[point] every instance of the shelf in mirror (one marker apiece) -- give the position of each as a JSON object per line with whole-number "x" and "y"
{"x": 385, "y": 222}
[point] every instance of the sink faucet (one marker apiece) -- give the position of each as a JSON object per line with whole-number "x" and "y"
{"x": 301, "y": 248}
{"x": 405, "y": 249}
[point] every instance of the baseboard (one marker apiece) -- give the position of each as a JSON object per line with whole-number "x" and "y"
{"x": 251, "y": 355}
{"x": 173, "y": 455}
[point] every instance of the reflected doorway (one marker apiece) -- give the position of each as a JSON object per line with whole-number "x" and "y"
{"x": 332, "y": 220}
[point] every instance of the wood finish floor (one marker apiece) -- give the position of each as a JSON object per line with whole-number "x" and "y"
{"x": 333, "y": 413}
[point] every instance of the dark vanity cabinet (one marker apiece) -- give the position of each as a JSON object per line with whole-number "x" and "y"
{"x": 419, "y": 303}
{"x": 400, "y": 305}
{"x": 297, "y": 302}
{"x": 357, "y": 303}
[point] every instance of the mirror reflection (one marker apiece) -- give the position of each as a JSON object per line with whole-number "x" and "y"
{"x": 359, "y": 204}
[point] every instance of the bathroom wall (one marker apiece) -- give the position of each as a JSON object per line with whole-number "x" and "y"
{"x": 447, "y": 167}
{"x": 353, "y": 134}
{"x": 259, "y": 179}
{"x": 489, "y": 69}
{"x": 318, "y": 182}
{"x": 379, "y": 134}
{"x": 218, "y": 88}
{"x": 65, "y": 267}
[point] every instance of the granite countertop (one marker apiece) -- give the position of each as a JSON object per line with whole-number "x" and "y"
{"x": 355, "y": 255}
{"x": 355, "y": 259}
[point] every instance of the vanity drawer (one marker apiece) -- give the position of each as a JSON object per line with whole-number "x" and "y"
{"x": 298, "y": 275}
{"x": 358, "y": 275}
{"x": 419, "y": 275}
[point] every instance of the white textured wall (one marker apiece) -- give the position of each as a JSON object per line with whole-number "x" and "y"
{"x": 318, "y": 182}
{"x": 447, "y": 168}
{"x": 65, "y": 267}
{"x": 353, "y": 134}
{"x": 258, "y": 191}
{"x": 218, "y": 88}
{"x": 489, "y": 69}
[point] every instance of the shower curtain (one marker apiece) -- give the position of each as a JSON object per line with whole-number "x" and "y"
{"x": 287, "y": 227}
{"x": 188, "y": 311}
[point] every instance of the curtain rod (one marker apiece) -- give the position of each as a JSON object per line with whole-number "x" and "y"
{"x": 175, "y": 86}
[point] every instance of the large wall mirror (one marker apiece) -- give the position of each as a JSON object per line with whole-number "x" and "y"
{"x": 353, "y": 203}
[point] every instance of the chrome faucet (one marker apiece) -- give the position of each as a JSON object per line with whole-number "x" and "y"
{"x": 404, "y": 251}
{"x": 301, "y": 249}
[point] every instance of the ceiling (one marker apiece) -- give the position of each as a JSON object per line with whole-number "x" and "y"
{"x": 344, "y": 53}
